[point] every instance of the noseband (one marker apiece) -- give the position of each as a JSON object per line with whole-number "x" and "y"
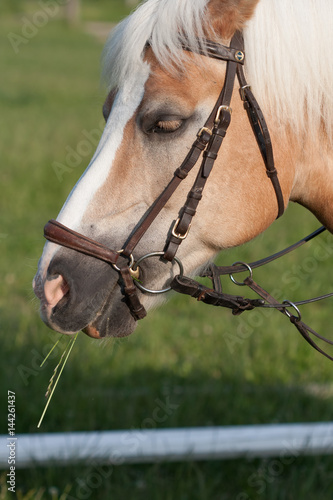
{"x": 207, "y": 145}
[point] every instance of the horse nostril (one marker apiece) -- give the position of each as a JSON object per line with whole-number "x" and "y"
{"x": 55, "y": 288}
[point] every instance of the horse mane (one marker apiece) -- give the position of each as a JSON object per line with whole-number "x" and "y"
{"x": 287, "y": 45}
{"x": 166, "y": 25}
{"x": 289, "y": 64}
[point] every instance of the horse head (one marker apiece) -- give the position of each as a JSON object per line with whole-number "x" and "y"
{"x": 162, "y": 90}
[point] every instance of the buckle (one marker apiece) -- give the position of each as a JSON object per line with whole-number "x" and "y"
{"x": 202, "y": 130}
{"x": 179, "y": 235}
{"x": 219, "y": 111}
{"x": 242, "y": 92}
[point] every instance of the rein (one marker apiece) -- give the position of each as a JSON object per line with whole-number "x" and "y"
{"x": 206, "y": 145}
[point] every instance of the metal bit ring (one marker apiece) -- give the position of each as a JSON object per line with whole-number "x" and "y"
{"x": 131, "y": 258}
{"x": 147, "y": 256}
{"x": 239, "y": 283}
{"x": 291, "y": 304}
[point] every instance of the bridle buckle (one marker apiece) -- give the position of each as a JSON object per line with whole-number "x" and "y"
{"x": 204, "y": 129}
{"x": 179, "y": 236}
{"x": 219, "y": 111}
{"x": 242, "y": 92}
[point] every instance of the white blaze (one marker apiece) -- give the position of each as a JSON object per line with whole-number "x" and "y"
{"x": 127, "y": 101}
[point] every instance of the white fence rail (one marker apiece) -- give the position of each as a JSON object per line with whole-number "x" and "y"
{"x": 135, "y": 446}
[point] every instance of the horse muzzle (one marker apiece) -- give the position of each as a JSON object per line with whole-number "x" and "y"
{"x": 79, "y": 292}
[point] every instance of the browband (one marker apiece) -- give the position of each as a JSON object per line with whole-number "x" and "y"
{"x": 217, "y": 51}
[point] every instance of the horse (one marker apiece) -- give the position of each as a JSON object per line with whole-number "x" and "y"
{"x": 164, "y": 78}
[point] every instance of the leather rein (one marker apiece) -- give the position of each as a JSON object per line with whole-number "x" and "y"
{"x": 206, "y": 145}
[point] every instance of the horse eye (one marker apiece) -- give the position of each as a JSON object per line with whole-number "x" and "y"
{"x": 166, "y": 126}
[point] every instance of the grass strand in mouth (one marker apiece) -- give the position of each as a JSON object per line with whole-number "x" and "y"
{"x": 48, "y": 390}
{"x": 46, "y": 357}
{"x": 49, "y": 393}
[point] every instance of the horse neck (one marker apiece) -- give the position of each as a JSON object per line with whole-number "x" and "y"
{"x": 312, "y": 160}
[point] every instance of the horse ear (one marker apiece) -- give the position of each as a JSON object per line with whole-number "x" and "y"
{"x": 228, "y": 16}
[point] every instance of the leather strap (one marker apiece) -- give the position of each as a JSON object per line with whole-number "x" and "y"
{"x": 217, "y": 51}
{"x": 262, "y": 136}
{"x": 221, "y": 123}
{"x": 239, "y": 304}
{"x": 226, "y": 270}
{"x": 57, "y": 233}
{"x": 203, "y": 143}
{"x": 131, "y": 294}
{"x": 180, "y": 174}
{"x": 303, "y": 329}
{"x": 260, "y": 131}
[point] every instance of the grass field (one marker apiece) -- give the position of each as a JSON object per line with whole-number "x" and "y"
{"x": 218, "y": 369}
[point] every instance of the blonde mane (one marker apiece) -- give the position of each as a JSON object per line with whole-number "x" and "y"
{"x": 287, "y": 44}
{"x": 165, "y": 24}
{"x": 289, "y": 64}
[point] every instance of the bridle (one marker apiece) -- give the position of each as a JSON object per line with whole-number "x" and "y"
{"x": 206, "y": 145}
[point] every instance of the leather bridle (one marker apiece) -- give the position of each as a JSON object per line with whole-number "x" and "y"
{"x": 206, "y": 145}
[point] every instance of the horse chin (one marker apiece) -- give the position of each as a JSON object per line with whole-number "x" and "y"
{"x": 91, "y": 331}
{"x": 112, "y": 321}
{"x": 116, "y": 321}
{"x": 95, "y": 331}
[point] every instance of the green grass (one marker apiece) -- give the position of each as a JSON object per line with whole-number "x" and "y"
{"x": 89, "y": 10}
{"x": 218, "y": 369}
{"x": 105, "y": 10}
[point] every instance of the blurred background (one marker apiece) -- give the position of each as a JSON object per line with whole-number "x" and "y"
{"x": 215, "y": 369}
